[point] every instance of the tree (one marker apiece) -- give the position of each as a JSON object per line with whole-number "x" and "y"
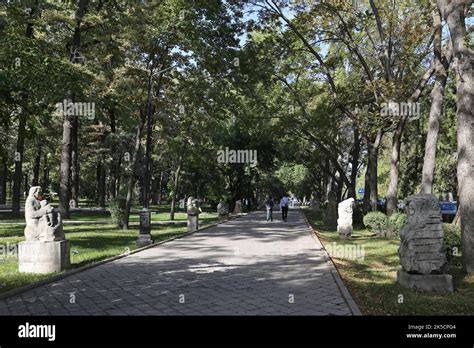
{"x": 454, "y": 13}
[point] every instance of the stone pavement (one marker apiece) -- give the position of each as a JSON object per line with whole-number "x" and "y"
{"x": 243, "y": 267}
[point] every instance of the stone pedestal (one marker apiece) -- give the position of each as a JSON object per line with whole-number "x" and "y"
{"x": 193, "y": 223}
{"x": 223, "y": 217}
{"x": 144, "y": 238}
{"x": 425, "y": 282}
{"x": 43, "y": 257}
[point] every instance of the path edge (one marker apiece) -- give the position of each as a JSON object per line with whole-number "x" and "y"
{"x": 335, "y": 273}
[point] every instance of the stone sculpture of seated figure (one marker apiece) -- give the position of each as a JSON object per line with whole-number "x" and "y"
{"x": 43, "y": 223}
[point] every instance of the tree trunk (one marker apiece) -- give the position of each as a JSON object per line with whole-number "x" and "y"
{"x": 113, "y": 165}
{"x": 367, "y": 188}
{"x": 175, "y": 188}
{"x": 100, "y": 181}
{"x": 45, "y": 179}
{"x": 392, "y": 191}
{"x": 3, "y": 181}
{"x": 354, "y": 164}
{"x": 68, "y": 123}
{"x": 131, "y": 181}
{"x": 454, "y": 14}
{"x": 436, "y": 110}
{"x": 160, "y": 189}
{"x": 373, "y": 150}
{"x": 74, "y": 202}
{"x": 36, "y": 167}
{"x": 20, "y": 146}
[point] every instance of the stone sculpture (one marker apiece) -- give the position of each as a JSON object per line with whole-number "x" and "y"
{"x": 223, "y": 211}
{"x": 344, "y": 222}
{"x": 238, "y": 207}
{"x": 422, "y": 251}
{"x": 193, "y": 210}
{"x": 45, "y": 249}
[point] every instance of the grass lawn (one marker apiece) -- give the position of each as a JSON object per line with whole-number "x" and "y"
{"x": 372, "y": 278}
{"x": 93, "y": 243}
{"x": 105, "y": 216}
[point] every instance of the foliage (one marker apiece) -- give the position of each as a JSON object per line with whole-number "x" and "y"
{"x": 395, "y": 223}
{"x": 452, "y": 239}
{"x": 376, "y": 222}
{"x": 117, "y": 210}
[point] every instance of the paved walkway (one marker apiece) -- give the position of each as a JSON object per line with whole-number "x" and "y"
{"x": 243, "y": 267}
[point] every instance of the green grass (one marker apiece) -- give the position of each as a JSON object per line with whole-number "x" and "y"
{"x": 93, "y": 242}
{"x": 105, "y": 216}
{"x": 372, "y": 279}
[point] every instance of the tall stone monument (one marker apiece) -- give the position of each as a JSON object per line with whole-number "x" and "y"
{"x": 344, "y": 222}
{"x": 223, "y": 211}
{"x": 238, "y": 207}
{"x": 193, "y": 209}
{"x": 45, "y": 249}
{"x": 330, "y": 214}
{"x": 422, "y": 251}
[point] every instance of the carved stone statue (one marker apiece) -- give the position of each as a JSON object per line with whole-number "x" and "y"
{"x": 43, "y": 223}
{"x": 422, "y": 251}
{"x": 238, "y": 207}
{"x": 330, "y": 215}
{"x": 223, "y": 211}
{"x": 344, "y": 222}
{"x": 45, "y": 249}
{"x": 193, "y": 209}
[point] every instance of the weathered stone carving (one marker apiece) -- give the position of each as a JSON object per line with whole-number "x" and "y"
{"x": 43, "y": 223}
{"x": 45, "y": 249}
{"x": 193, "y": 209}
{"x": 238, "y": 207}
{"x": 330, "y": 215}
{"x": 223, "y": 211}
{"x": 422, "y": 251}
{"x": 344, "y": 222}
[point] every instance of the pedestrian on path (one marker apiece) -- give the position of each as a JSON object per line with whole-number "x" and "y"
{"x": 284, "y": 207}
{"x": 269, "y": 205}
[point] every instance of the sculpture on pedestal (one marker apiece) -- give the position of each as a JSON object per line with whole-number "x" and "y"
{"x": 223, "y": 211}
{"x": 422, "y": 251}
{"x": 193, "y": 210}
{"x": 45, "y": 249}
{"x": 238, "y": 207}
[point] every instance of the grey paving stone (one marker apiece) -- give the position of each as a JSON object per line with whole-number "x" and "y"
{"x": 244, "y": 267}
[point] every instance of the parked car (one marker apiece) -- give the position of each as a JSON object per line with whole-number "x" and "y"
{"x": 448, "y": 210}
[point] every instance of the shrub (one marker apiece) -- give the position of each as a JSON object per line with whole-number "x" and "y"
{"x": 395, "y": 224}
{"x": 117, "y": 211}
{"x": 452, "y": 239}
{"x": 376, "y": 222}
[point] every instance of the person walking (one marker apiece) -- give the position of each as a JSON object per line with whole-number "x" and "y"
{"x": 284, "y": 207}
{"x": 269, "y": 205}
